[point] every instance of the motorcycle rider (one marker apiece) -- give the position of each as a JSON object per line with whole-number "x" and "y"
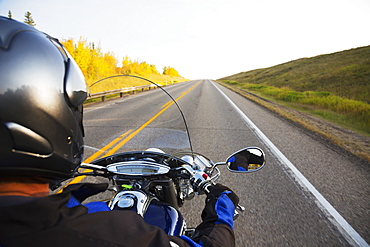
{"x": 41, "y": 142}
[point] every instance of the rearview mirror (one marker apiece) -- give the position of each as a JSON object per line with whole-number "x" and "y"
{"x": 246, "y": 160}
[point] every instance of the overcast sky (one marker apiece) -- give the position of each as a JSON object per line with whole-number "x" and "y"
{"x": 205, "y": 38}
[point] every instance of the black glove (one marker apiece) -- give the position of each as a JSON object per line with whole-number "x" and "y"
{"x": 218, "y": 189}
{"x": 79, "y": 192}
{"x": 82, "y": 191}
{"x": 219, "y": 209}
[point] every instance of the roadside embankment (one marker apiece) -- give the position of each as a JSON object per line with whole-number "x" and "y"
{"x": 350, "y": 141}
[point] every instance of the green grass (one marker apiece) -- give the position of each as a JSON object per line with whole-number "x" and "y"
{"x": 345, "y": 74}
{"x": 335, "y": 87}
{"x": 351, "y": 114}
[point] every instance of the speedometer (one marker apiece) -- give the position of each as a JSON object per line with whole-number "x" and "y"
{"x": 138, "y": 168}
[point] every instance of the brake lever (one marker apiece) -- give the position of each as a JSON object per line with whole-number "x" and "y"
{"x": 240, "y": 208}
{"x": 236, "y": 213}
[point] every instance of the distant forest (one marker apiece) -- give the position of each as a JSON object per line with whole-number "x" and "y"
{"x": 96, "y": 64}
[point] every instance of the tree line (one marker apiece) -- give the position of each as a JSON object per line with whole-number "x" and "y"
{"x": 96, "y": 64}
{"x": 27, "y": 18}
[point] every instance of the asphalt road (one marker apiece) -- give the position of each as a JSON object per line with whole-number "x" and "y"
{"x": 280, "y": 209}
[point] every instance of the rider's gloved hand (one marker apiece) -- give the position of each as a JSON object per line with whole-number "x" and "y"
{"x": 220, "y": 207}
{"x": 82, "y": 191}
{"x": 219, "y": 189}
{"x": 217, "y": 217}
{"x": 79, "y": 192}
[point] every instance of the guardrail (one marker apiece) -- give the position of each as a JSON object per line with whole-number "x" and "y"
{"x": 120, "y": 91}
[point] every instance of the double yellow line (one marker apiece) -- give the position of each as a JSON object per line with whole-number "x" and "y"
{"x": 127, "y": 136}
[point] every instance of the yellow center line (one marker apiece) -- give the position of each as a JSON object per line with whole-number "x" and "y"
{"x": 133, "y": 134}
{"x": 129, "y": 135}
{"x": 169, "y": 102}
{"x": 96, "y": 155}
{"x": 101, "y": 151}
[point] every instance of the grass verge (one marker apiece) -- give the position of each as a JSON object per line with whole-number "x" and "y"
{"x": 348, "y": 113}
{"x": 314, "y": 119}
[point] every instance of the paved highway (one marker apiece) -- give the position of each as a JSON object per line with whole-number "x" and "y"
{"x": 309, "y": 194}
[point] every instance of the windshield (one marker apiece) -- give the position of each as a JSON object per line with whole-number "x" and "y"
{"x": 141, "y": 116}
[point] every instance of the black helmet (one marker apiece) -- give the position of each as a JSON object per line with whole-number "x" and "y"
{"x": 41, "y": 94}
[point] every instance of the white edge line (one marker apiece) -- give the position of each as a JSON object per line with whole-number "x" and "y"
{"x": 343, "y": 226}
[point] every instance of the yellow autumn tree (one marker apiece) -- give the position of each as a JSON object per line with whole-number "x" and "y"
{"x": 93, "y": 62}
{"x": 170, "y": 71}
{"x": 136, "y": 67}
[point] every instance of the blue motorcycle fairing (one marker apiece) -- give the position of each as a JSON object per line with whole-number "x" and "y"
{"x": 165, "y": 217}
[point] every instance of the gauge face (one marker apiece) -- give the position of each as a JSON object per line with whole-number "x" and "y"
{"x": 135, "y": 168}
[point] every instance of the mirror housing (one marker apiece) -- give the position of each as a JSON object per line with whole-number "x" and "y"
{"x": 246, "y": 160}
